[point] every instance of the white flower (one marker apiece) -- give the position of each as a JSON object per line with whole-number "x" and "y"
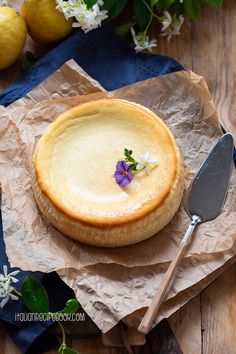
{"x": 146, "y": 162}
{"x": 171, "y": 26}
{"x": 166, "y": 20}
{"x": 141, "y": 41}
{"x": 177, "y": 23}
{"x": 6, "y": 288}
{"x": 87, "y": 19}
{"x": 6, "y": 294}
{"x": 5, "y": 276}
{"x": 5, "y": 2}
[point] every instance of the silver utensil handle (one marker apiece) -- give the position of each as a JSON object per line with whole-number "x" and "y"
{"x": 195, "y": 220}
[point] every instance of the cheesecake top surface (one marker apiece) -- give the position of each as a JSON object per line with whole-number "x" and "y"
{"x": 76, "y": 158}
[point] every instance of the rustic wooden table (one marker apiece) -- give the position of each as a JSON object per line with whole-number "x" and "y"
{"x": 207, "y": 324}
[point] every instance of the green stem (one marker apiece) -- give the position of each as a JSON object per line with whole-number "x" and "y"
{"x": 17, "y": 292}
{"x": 147, "y": 6}
{"x": 148, "y": 25}
{"x": 63, "y": 333}
{"x": 150, "y": 10}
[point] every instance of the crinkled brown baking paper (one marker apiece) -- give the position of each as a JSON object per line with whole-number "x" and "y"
{"x": 109, "y": 293}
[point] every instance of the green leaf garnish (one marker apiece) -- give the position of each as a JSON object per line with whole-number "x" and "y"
{"x": 130, "y": 160}
{"x": 34, "y": 295}
{"x": 66, "y": 350}
{"x": 72, "y": 306}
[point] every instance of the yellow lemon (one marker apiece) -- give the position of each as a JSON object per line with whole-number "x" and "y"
{"x": 12, "y": 36}
{"x": 45, "y": 23}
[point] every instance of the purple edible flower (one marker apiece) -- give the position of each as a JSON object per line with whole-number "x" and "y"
{"x": 123, "y": 174}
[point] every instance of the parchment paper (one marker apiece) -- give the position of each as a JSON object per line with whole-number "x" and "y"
{"x": 108, "y": 294}
{"x": 69, "y": 80}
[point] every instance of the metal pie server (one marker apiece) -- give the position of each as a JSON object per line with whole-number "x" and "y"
{"x": 204, "y": 202}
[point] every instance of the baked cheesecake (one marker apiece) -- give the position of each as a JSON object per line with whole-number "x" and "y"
{"x": 75, "y": 178}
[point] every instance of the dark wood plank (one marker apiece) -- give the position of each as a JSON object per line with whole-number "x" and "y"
{"x": 186, "y": 325}
{"x": 219, "y": 315}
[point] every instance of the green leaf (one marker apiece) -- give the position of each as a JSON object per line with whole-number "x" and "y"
{"x": 70, "y": 351}
{"x": 217, "y": 3}
{"x": 179, "y": 8}
{"x": 90, "y": 3}
{"x": 108, "y": 4}
{"x": 114, "y": 7}
{"x": 127, "y": 152}
{"x": 124, "y": 29}
{"x": 192, "y": 9}
{"x": 72, "y": 306}
{"x": 128, "y": 157}
{"x": 34, "y": 295}
{"x": 163, "y": 5}
{"x": 153, "y": 2}
{"x": 28, "y": 60}
{"x": 66, "y": 350}
{"x": 142, "y": 14}
{"x": 133, "y": 166}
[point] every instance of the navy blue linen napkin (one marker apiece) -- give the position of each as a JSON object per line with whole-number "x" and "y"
{"x": 110, "y": 61}
{"x": 102, "y": 54}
